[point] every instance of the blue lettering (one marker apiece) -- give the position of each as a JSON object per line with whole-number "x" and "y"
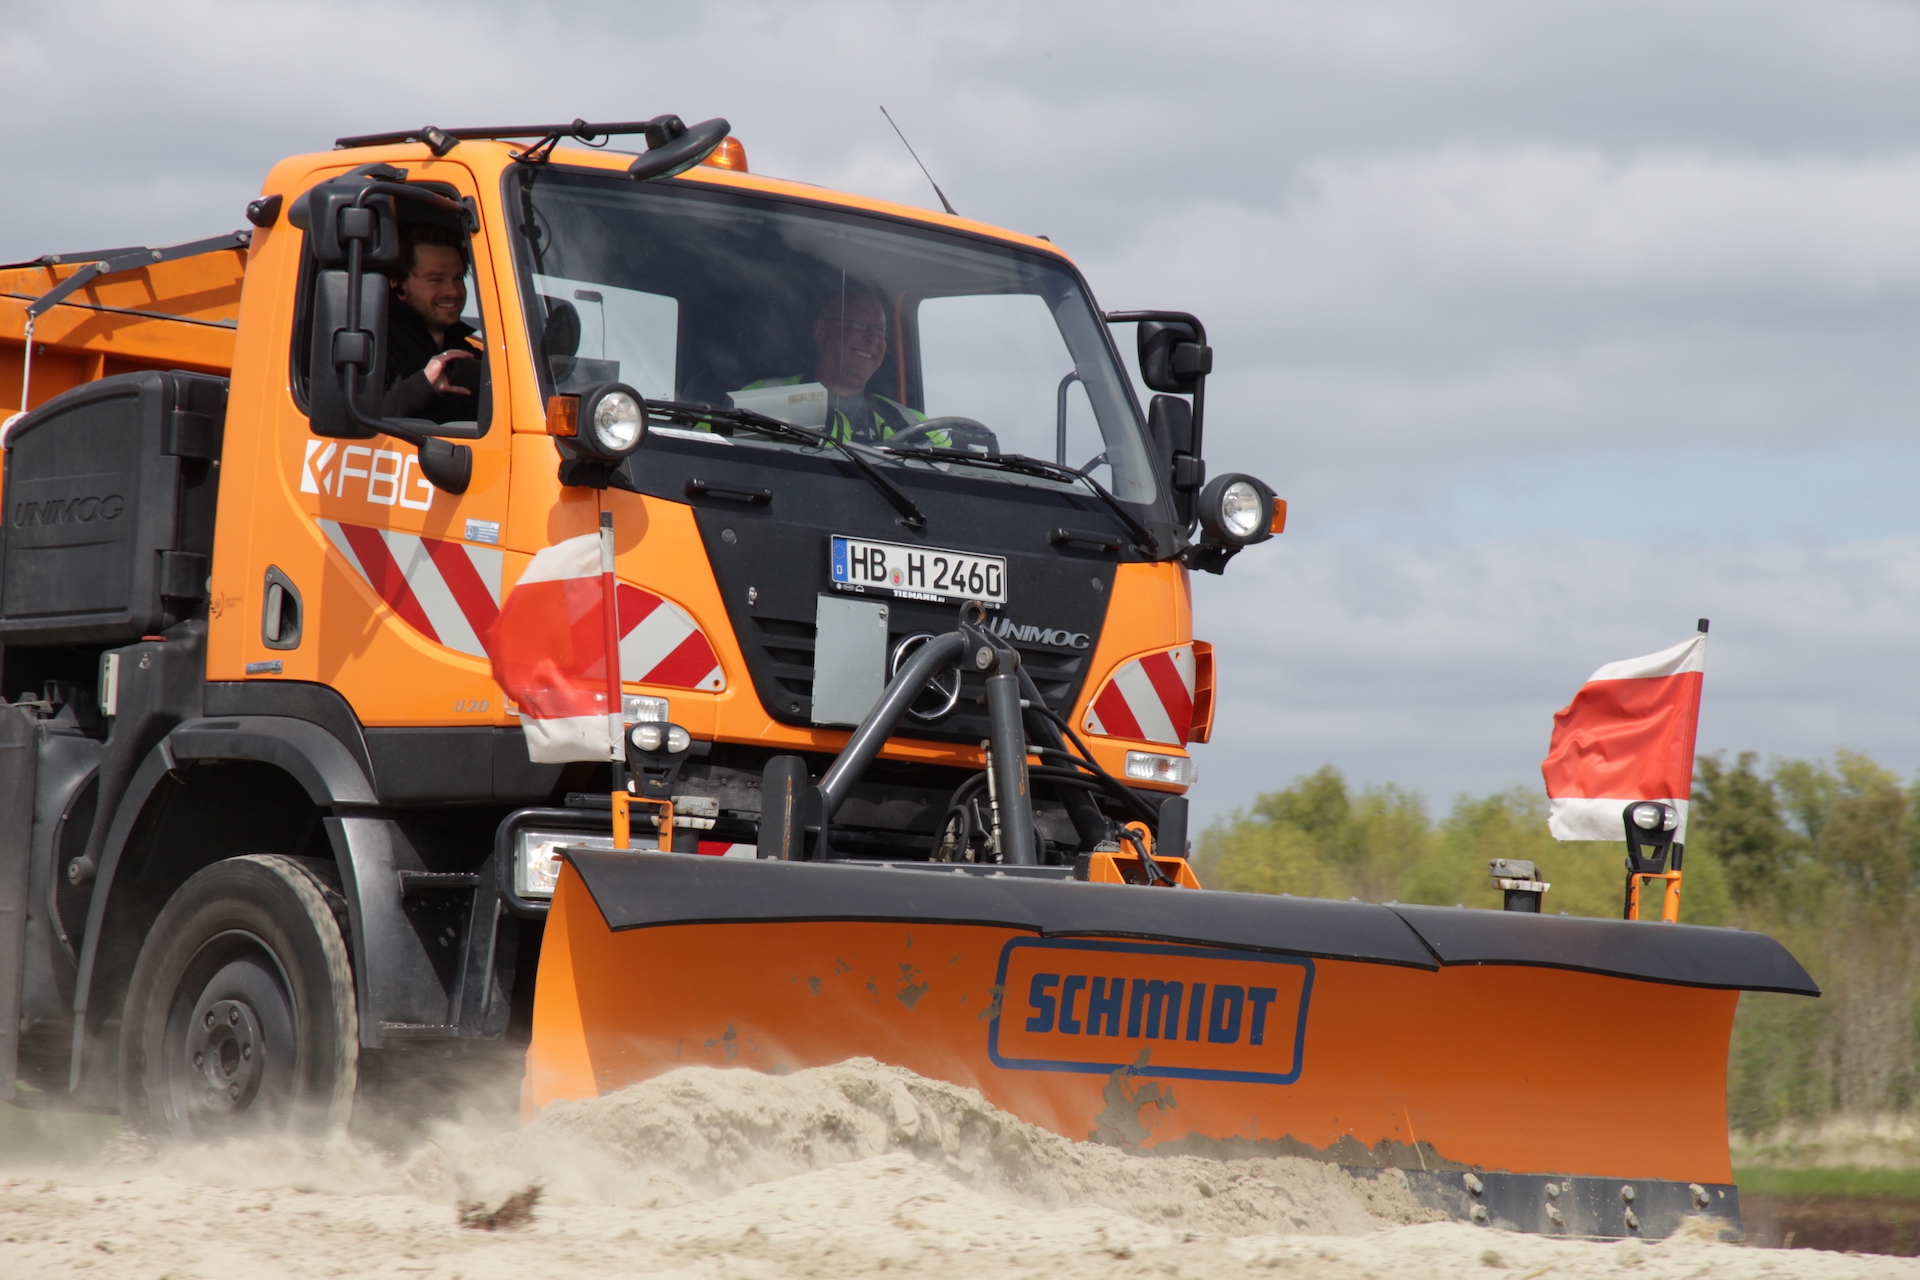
{"x": 1074, "y": 984}
{"x": 1261, "y": 997}
{"x": 1195, "y": 1009}
{"x": 1223, "y": 1022}
{"x": 1161, "y": 1003}
{"x": 1103, "y": 1006}
{"x": 1038, "y": 998}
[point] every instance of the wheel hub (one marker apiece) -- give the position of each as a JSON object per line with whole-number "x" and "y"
{"x": 225, "y": 1053}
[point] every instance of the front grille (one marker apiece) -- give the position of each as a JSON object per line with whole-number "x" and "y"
{"x": 787, "y": 647}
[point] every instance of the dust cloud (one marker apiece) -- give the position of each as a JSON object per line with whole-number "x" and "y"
{"x": 846, "y": 1171}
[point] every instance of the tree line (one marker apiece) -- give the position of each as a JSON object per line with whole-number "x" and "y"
{"x": 1823, "y": 855}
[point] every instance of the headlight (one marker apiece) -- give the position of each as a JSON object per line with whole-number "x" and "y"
{"x": 536, "y": 862}
{"x": 1236, "y": 510}
{"x": 1650, "y": 815}
{"x": 654, "y": 736}
{"x": 1242, "y": 510}
{"x": 1146, "y": 766}
{"x": 638, "y": 708}
{"x": 613, "y": 421}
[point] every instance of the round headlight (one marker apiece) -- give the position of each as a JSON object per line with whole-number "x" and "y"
{"x": 650, "y": 736}
{"x": 1243, "y": 510}
{"x": 613, "y": 421}
{"x": 1236, "y": 510}
{"x": 1647, "y": 816}
{"x": 616, "y": 420}
{"x": 678, "y": 739}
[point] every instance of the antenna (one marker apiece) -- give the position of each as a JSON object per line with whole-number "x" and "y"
{"x": 944, "y": 202}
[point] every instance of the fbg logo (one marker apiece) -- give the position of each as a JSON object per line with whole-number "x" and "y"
{"x": 391, "y": 477}
{"x": 1196, "y": 1013}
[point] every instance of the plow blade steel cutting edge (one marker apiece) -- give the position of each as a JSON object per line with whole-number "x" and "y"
{"x": 1544, "y": 1073}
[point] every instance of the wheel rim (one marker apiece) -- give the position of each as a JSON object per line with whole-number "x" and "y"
{"x": 230, "y": 1049}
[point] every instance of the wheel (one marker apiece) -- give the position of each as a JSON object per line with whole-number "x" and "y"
{"x": 963, "y": 435}
{"x": 240, "y": 1014}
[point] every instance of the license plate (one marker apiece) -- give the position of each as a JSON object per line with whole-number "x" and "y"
{"x": 918, "y": 573}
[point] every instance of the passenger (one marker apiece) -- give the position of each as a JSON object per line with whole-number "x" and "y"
{"x": 850, "y": 344}
{"x": 434, "y": 362}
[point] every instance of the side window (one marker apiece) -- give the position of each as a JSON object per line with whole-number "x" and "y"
{"x": 433, "y": 305}
{"x": 999, "y": 359}
{"x": 594, "y": 332}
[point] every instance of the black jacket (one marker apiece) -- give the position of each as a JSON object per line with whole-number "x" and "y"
{"x": 409, "y": 346}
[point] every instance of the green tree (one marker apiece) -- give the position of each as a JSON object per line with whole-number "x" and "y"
{"x": 1863, "y": 835}
{"x": 1317, "y": 839}
{"x": 1735, "y": 818}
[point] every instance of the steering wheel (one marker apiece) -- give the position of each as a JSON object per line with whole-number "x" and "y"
{"x": 963, "y": 433}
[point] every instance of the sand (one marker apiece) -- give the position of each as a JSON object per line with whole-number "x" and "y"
{"x": 847, "y": 1171}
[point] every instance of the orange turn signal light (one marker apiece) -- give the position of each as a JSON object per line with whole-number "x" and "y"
{"x": 728, "y": 155}
{"x": 563, "y": 415}
{"x": 1279, "y": 524}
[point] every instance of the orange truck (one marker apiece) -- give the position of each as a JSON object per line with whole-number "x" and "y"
{"x": 907, "y": 683}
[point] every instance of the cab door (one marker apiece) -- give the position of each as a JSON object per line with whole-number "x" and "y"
{"x": 362, "y": 574}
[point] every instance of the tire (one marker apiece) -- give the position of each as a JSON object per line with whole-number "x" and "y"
{"x": 240, "y": 1016}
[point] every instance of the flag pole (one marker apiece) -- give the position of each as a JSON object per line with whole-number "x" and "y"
{"x": 616, "y": 729}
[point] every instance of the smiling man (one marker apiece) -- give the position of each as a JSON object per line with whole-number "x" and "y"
{"x": 850, "y": 344}
{"x": 434, "y": 361}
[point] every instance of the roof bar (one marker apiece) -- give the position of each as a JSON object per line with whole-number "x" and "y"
{"x": 442, "y": 140}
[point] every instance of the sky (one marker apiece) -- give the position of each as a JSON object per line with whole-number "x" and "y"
{"x": 1558, "y": 325}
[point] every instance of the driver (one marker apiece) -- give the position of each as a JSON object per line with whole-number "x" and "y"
{"x": 850, "y": 344}
{"x": 434, "y": 362}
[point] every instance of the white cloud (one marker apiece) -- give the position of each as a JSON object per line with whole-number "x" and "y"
{"x": 1490, "y": 283}
{"x": 1441, "y": 667}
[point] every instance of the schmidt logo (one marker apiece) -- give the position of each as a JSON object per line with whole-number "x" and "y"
{"x": 1195, "y": 1013}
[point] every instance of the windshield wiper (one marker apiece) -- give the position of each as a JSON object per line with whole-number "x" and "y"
{"x": 1143, "y": 539}
{"x": 697, "y": 415}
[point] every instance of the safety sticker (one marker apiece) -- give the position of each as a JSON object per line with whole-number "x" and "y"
{"x": 1185, "y": 1013}
{"x": 1149, "y": 699}
{"x": 449, "y": 592}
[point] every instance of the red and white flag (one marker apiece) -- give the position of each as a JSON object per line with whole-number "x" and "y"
{"x": 1627, "y": 735}
{"x": 549, "y": 650}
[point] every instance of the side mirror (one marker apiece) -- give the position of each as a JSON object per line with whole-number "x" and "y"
{"x": 560, "y": 337}
{"x": 1170, "y": 423}
{"x": 352, "y": 223}
{"x": 336, "y": 346}
{"x": 335, "y": 215}
{"x": 1173, "y": 356}
{"x": 673, "y": 147}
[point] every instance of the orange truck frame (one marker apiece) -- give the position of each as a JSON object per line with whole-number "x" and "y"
{"x": 908, "y": 681}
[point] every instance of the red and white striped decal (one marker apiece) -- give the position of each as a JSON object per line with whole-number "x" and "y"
{"x": 661, "y": 644}
{"x": 1149, "y": 699}
{"x": 449, "y": 591}
{"x": 721, "y": 849}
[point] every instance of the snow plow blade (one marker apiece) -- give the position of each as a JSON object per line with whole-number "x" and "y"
{"x": 1539, "y": 1073}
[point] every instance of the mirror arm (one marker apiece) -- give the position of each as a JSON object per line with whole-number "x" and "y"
{"x": 1060, "y": 418}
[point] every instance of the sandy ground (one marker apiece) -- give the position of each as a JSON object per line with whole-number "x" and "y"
{"x": 846, "y": 1171}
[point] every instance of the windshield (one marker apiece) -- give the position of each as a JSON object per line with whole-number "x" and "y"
{"x": 879, "y": 333}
